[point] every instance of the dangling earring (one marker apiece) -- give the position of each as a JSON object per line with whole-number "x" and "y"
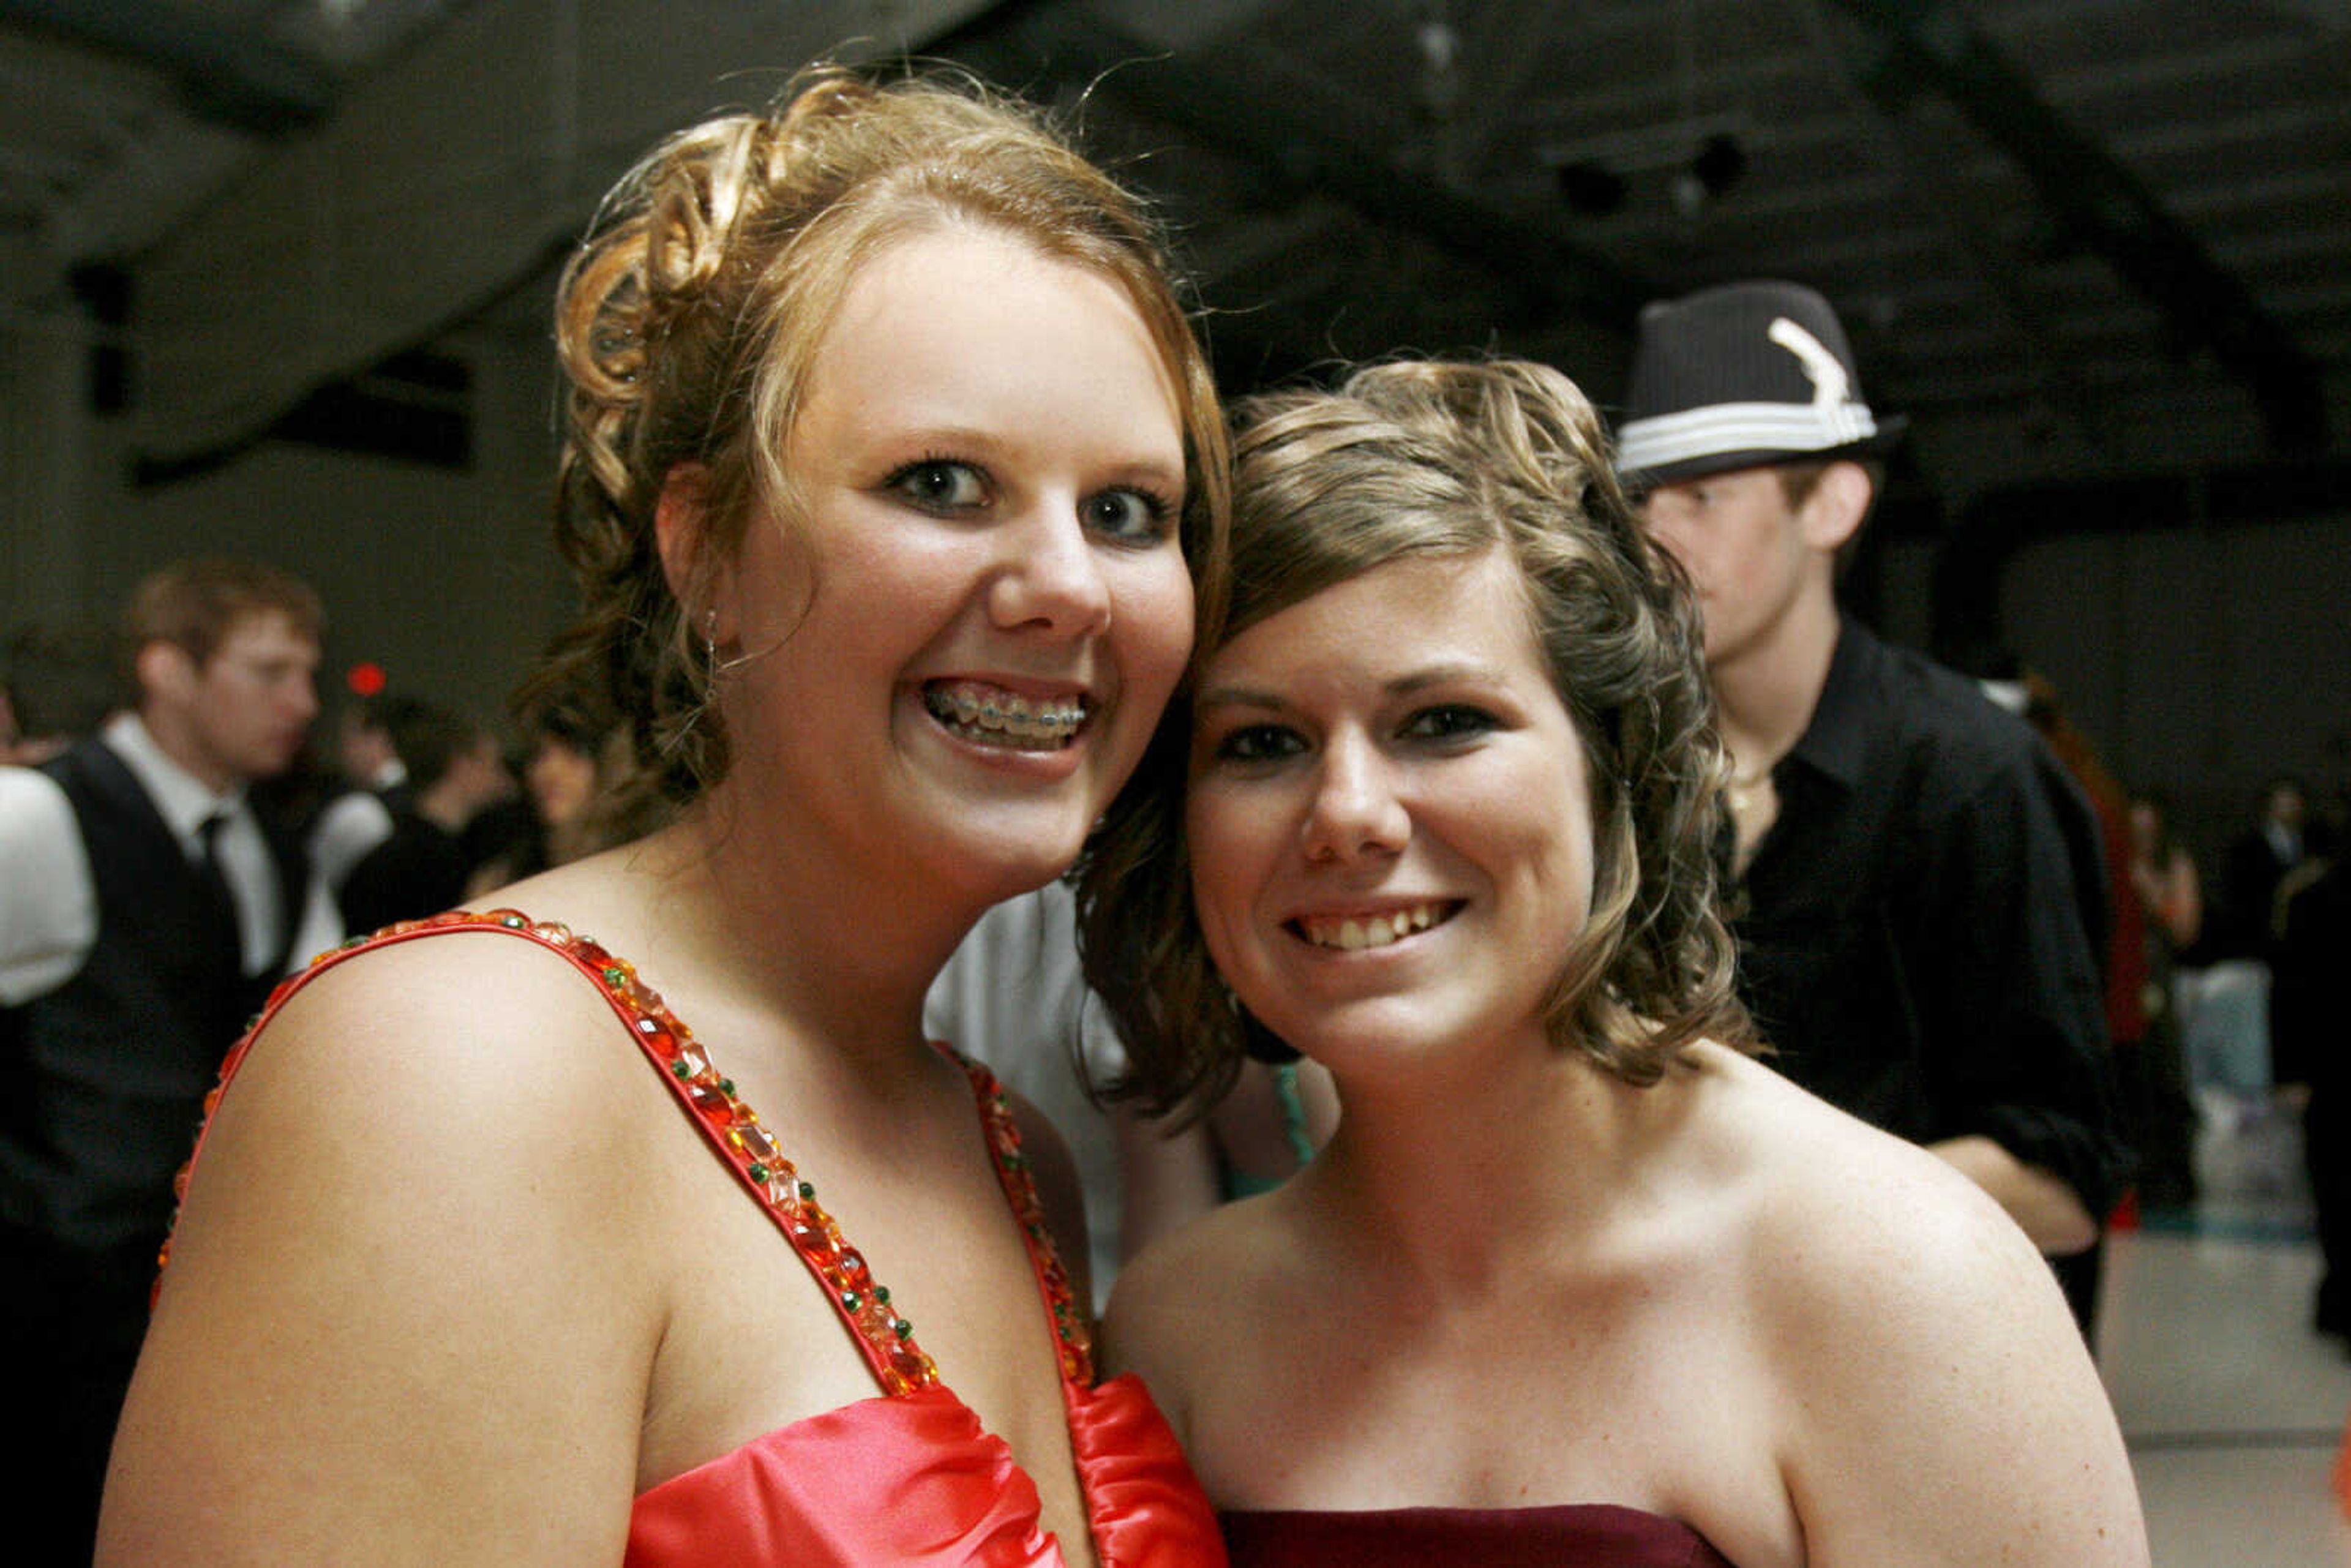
{"x": 717, "y": 667}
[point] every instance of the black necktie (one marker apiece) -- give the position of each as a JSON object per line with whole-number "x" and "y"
{"x": 220, "y": 902}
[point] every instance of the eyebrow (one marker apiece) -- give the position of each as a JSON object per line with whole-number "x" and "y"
{"x": 1445, "y": 673}
{"x": 950, "y": 439}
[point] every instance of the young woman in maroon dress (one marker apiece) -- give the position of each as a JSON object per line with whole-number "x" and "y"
{"x": 1577, "y": 1280}
{"x": 891, "y": 470}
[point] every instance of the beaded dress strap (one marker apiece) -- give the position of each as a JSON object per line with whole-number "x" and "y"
{"x": 731, "y": 1128}
{"x": 1072, "y": 1335}
{"x": 734, "y": 1130}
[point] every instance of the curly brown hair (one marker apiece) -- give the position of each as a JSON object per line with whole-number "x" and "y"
{"x": 1422, "y": 458}
{"x": 688, "y": 321}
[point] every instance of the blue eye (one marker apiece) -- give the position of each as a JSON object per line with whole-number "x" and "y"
{"x": 939, "y": 484}
{"x": 1259, "y": 743}
{"x": 1135, "y": 517}
{"x": 1451, "y": 721}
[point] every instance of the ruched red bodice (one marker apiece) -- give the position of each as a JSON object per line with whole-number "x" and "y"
{"x": 909, "y": 1476}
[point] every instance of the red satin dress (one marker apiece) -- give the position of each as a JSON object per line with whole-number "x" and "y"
{"x": 908, "y": 1477}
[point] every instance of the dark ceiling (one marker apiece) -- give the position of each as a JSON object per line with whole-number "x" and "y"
{"x": 2080, "y": 242}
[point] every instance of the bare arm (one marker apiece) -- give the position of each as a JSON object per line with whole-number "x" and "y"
{"x": 2181, "y": 907}
{"x": 402, "y": 1322}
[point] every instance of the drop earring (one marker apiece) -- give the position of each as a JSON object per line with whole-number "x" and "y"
{"x": 716, "y": 665}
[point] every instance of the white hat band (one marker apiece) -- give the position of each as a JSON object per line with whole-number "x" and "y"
{"x": 1796, "y": 428}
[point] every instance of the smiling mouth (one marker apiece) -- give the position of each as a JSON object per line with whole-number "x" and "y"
{"x": 1351, "y": 933}
{"x": 990, "y": 716}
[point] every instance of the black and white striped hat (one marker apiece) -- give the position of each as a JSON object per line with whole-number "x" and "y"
{"x": 1740, "y": 376}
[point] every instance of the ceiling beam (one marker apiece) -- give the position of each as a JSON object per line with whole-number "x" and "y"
{"x": 1225, "y": 107}
{"x": 1932, "y": 44}
{"x": 458, "y": 167}
{"x": 237, "y": 80}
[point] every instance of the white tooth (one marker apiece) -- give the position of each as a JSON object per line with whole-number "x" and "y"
{"x": 1378, "y": 934}
{"x": 1350, "y": 936}
{"x": 1421, "y": 917}
{"x": 1017, "y": 709}
{"x": 1401, "y": 924}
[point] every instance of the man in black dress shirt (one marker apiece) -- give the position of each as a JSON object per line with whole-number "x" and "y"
{"x": 1909, "y": 936}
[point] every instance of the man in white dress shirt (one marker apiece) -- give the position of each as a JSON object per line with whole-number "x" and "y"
{"x": 145, "y": 912}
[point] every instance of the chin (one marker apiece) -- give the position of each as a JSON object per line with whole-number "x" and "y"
{"x": 1005, "y": 870}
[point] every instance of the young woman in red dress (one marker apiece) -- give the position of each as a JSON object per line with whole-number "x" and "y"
{"x": 891, "y": 474}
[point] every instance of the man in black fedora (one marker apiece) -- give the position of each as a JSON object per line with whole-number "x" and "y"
{"x": 1910, "y": 939}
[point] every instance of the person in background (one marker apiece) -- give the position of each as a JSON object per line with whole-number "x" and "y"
{"x": 1909, "y": 930}
{"x": 579, "y": 792}
{"x": 2255, "y": 863}
{"x": 1576, "y": 1281}
{"x": 2158, "y": 1106}
{"x": 58, "y": 684}
{"x": 145, "y": 911}
{"x": 2236, "y": 1063}
{"x": 375, "y": 791}
{"x": 2307, "y": 1020}
{"x": 452, "y": 769}
{"x": 889, "y": 462}
{"x": 1012, "y": 995}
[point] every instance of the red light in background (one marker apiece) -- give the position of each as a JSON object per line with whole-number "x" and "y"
{"x": 366, "y": 679}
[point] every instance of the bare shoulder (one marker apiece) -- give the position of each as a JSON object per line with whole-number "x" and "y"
{"x": 1848, "y": 1207}
{"x": 419, "y": 1203}
{"x": 1193, "y": 1310}
{"x": 1862, "y": 1243}
{"x": 1936, "y": 1402}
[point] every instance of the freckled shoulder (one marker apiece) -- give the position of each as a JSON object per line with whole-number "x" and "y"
{"x": 1936, "y": 1403}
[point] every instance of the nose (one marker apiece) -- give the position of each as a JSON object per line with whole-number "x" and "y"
{"x": 1051, "y": 577}
{"x": 1356, "y": 809}
{"x": 305, "y": 698}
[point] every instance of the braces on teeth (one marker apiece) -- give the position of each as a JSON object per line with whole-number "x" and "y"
{"x": 1006, "y": 719}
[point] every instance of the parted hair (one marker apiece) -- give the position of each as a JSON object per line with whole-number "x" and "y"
{"x": 686, "y": 324}
{"x": 1447, "y": 459}
{"x": 195, "y": 604}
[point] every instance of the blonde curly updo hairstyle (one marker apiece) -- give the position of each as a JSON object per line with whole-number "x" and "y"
{"x": 688, "y": 323}
{"x": 1417, "y": 459}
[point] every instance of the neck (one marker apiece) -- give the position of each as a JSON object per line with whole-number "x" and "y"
{"x": 834, "y": 943}
{"x": 178, "y": 741}
{"x": 1765, "y": 693}
{"x": 1520, "y": 1164}
{"x": 444, "y": 808}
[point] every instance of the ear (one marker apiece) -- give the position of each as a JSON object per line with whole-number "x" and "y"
{"x": 1833, "y": 513}
{"x": 166, "y": 672}
{"x": 681, "y": 534}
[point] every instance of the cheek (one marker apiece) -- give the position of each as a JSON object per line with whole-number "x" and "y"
{"x": 1154, "y": 613}
{"x": 1221, "y": 856}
